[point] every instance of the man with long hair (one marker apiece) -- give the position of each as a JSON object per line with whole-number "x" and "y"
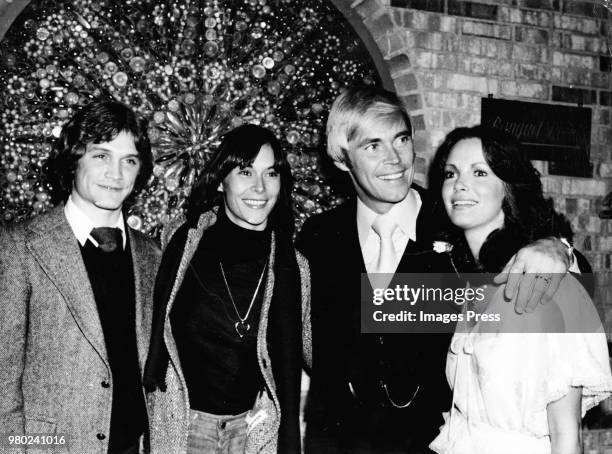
{"x": 75, "y": 290}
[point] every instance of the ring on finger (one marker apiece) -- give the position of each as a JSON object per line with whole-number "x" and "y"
{"x": 546, "y": 279}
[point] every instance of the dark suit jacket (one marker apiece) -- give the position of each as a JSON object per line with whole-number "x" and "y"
{"x": 55, "y": 375}
{"x": 359, "y": 415}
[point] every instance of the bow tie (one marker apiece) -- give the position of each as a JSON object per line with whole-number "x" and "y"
{"x": 108, "y": 238}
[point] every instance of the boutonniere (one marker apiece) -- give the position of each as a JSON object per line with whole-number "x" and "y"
{"x": 442, "y": 246}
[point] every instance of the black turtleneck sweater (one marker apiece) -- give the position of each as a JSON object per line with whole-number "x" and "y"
{"x": 220, "y": 367}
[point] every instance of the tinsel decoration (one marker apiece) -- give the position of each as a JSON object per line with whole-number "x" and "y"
{"x": 195, "y": 68}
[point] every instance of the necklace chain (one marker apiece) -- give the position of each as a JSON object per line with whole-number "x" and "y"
{"x": 241, "y": 326}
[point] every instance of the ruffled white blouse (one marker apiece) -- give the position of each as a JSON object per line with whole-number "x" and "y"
{"x": 503, "y": 380}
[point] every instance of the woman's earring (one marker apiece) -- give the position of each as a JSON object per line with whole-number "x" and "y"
{"x": 220, "y": 187}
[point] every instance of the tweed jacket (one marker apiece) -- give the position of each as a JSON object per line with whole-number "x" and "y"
{"x": 55, "y": 375}
{"x": 171, "y": 408}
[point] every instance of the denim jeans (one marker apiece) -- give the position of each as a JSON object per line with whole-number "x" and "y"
{"x": 216, "y": 434}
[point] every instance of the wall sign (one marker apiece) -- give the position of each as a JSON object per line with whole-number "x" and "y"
{"x": 554, "y": 133}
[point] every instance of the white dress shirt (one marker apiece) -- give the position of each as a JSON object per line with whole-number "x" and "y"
{"x": 405, "y": 215}
{"x": 81, "y": 225}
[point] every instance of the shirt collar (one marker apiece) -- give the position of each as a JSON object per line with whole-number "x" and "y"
{"x": 81, "y": 225}
{"x": 404, "y": 213}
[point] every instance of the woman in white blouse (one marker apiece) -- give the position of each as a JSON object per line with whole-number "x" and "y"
{"x": 513, "y": 392}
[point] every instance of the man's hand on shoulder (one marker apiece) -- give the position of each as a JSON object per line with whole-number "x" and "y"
{"x": 534, "y": 273}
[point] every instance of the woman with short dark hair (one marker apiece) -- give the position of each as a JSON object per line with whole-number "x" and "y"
{"x": 520, "y": 382}
{"x": 231, "y": 306}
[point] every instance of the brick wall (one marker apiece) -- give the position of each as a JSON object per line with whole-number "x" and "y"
{"x": 445, "y": 55}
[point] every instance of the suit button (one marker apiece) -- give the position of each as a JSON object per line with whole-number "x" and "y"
{"x": 105, "y": 384}
{"x": 100, "y": 436}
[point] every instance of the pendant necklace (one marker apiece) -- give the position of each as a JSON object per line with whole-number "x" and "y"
{"x": 242, "y": 327}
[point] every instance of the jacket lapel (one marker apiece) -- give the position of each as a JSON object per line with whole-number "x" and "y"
{"x": 54, "y": 246}
{"x": 348, "y": 237}
{"x": 145, "y": 261}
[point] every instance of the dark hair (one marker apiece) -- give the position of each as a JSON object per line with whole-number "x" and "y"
{"x": 239, "y": 148}
{"x": 528, "y": 215}
{"x": 97, "y": 122}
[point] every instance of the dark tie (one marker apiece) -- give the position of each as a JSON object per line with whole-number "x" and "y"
{"x": 108, "y": 238}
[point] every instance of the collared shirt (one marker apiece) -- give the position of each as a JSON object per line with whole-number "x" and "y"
{"x": 81, "y": 225}
{"x": 405, "y": 215}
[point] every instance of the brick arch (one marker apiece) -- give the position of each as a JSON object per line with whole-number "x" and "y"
{"x": 9, "y": 12}
{"x": 385, "y": 40}
{"x": 382, "y": 55}
{"x": 373, "y": 24}
{"x": 354, "y": 14}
